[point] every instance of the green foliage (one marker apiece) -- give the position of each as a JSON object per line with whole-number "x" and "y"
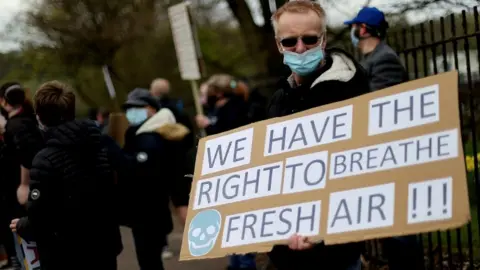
{"x": 134, "y": 63}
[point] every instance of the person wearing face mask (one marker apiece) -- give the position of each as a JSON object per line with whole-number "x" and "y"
{"x": 383, "y": 66}
{"x": 319, "y": 77}
{"x": 226, "y": 107}
{"x": 153, "y": 139}
{"x": 23, "y": 140}
{"x": 384, "y": 69}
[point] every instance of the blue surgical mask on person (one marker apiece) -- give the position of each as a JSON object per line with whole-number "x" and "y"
{"x": 353, "y": 37}
{"x": 304, "y": 63}
{"x": 136, "y": 116}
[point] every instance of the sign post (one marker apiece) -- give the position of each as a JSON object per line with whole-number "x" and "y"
{"x": 187, "y": 49}
{"x": 384, "y": 164}
{"x": 118, "y": 123}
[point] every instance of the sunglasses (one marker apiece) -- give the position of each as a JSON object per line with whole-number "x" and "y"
{"x": 307, "y": 40}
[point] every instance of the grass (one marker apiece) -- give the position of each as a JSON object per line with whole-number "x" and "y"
{"x": 459, "y": 238}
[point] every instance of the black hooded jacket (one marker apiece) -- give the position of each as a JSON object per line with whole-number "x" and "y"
{"x": 339, "y": 79}
{"x": 153, "y": 177}
{"x": 22, "y": 141}
{"x": 71, "y": 207}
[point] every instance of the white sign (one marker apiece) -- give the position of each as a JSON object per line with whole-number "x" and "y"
{"x": 184, "y": 42}
{"x": 430, "y": 200}
{"x": 361, "y": 209}
{"x": 272, "y": 224}
{"x": 27, "y": 253}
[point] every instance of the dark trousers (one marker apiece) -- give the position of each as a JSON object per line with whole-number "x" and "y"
{"x": 403, "y": 252}
{"x": 149, "y": 243}
{"x": 9, "y": 210}
{"x": 108, "y": 265}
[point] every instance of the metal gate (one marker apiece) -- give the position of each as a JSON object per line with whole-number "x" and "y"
{"x": 429, "y": 48}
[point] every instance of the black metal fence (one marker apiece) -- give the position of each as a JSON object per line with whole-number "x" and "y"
{"x": 433, "y": 47}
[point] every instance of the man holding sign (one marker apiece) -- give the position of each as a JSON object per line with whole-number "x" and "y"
{"x": 319, "y": 77}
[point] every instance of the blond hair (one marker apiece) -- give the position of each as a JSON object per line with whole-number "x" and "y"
{"x": 299, "y": 6}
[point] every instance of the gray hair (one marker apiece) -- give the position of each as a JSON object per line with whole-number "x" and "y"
{"x": 299, "y": 6}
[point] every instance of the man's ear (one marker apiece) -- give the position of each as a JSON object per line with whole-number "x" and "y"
{"x": 279, "y": 46}
{"x": 362, "y": 29}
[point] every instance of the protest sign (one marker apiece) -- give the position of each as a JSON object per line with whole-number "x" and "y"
{"x": 384, "y": 164}
{"x": 186, "y": 46}
{"x": 27, "y": 253}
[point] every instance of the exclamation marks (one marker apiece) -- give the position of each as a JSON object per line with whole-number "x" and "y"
{"x": 429, "y": 201}
{"x": 445, "y": 198}
{"x": 414, "y": 215}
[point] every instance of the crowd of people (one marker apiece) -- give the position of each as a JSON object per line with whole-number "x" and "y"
{"x": 68, "y": 186}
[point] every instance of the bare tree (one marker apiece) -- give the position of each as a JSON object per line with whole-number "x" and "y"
{"x": 90, "y": 32}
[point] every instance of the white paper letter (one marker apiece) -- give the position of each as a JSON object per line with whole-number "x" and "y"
{"x": 361, "y": 209}
{"x": 226, "y": 152}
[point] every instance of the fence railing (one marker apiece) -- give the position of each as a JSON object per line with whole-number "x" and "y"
{"x": 433, "y": 47}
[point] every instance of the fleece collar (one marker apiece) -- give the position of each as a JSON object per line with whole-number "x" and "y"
{"x": 343, "y": 69}
{"x": 165, "y": 124}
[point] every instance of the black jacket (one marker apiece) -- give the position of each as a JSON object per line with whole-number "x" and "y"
{"x": 22, "y": 141}
{"x": 153, "y": 178}
{"x": 71, "y": 208}
{"x": 339, "y": 79}
{"x": 181, "y": 117}
{"x": 384, "y": 68}
{"x": 232, "y": 115}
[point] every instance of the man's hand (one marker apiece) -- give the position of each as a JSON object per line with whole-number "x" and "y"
{"x": 297, "y": 242}
{"x": 182, "y": 213}
{"x": 22, "y": 194}
{"x": 13, "y": 225}
{"x": 202, "y": 121}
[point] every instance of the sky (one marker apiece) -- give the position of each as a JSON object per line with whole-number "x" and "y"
{"x": 8, "y": 10}
{"x": 343, "y": 10}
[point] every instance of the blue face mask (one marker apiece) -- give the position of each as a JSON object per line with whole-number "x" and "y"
{"x": 354, "y": 38}
{"x": 136, "y": 116}
{"x": 305, "y": 63}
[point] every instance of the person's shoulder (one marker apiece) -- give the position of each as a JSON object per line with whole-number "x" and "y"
{"x": 275, "y": 103}
{"x": 385, "y": 52}
{"x": 282, "y": 87}
{"x": 346, "y": 77}
{"x": 344, "y": 68}
{"x": 43, "y": 158}
{"x": 14, "y": 124}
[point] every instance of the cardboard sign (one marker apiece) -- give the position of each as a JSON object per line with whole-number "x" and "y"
{"x": 184, "y": 41}
{"x": 388, "y": 163}
{"x": 27, "y": 253}
{"x": 117, "y": 126}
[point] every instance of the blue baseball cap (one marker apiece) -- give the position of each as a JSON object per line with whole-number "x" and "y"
{"x": 370, "y": 16}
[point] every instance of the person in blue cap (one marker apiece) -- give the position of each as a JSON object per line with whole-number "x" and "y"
{"x": 383, "y": 66}
{"x": 384, "y": 69}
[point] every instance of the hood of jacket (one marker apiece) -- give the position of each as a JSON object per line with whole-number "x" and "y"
{"x": 165, "y": 124}
{"x": 77, "y": 134}
{"x": 343, "y": 68}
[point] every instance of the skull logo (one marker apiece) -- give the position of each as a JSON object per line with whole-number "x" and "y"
{"x": 203, "y": 232}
